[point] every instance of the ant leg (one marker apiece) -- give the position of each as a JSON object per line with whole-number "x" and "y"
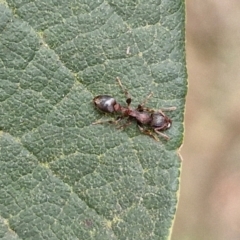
{"x": 162, "y": 134}
{"x": 128, "y": 122}
{"x": 128, "y": 96}
{"x": 146, "y": 99}
{"x": 108, "y": 121}
{"x": 116, "y": 121}
{"x": 148, "y": 132}
{"x": 141, "y": 106}
{"x": 168, "y": 109}
{"x": 161, "y": 110}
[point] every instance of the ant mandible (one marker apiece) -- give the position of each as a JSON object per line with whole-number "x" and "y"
{"x": 155, "y": 120}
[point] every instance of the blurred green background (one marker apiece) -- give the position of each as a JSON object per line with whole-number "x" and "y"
{"x": 209, "y": 206}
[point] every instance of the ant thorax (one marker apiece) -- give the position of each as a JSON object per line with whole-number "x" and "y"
{"x": 141, "y": 117}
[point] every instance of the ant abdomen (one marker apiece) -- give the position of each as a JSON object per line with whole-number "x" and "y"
{"x": 105, "y": 103}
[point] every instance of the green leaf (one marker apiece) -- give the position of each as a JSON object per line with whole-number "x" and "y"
{"x": 60, "y": 176}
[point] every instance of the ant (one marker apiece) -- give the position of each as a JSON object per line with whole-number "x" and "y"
{"x": 155, "y": 120}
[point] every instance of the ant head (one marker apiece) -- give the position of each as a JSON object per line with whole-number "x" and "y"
{"x": 160, "y": 120}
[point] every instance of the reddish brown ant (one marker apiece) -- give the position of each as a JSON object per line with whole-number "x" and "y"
{"x": 155, "y": 120}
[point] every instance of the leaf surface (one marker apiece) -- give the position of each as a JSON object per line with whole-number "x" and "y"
{"x": 60, "y": 176}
